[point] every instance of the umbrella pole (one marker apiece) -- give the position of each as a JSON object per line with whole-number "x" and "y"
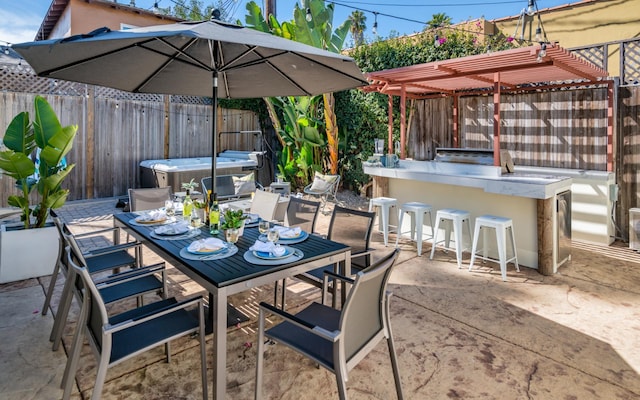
{"x": 214, "y": 130}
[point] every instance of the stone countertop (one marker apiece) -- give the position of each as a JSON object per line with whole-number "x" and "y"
{"x": 488, "y": 178}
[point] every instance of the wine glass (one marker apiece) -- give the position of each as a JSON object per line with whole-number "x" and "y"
{"x": 169, "y": 208}
{"x": 273, "y": 235}
{"x": 263, "y": 227}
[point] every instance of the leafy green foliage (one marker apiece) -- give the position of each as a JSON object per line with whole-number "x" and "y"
{"x": 54, "y": 141}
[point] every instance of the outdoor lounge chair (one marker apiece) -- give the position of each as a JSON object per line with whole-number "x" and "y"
{"x": 337, "y": 340}
{"x": 122, "y": 336}
{"x": 325, "y": 187}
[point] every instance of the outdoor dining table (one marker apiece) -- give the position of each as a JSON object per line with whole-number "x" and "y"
{"x": 227, "y": 276}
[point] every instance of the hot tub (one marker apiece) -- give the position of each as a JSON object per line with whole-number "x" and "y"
{"x": 173, "y": 172}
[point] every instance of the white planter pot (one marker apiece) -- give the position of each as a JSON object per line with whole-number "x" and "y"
{"x": 28, "y": 253}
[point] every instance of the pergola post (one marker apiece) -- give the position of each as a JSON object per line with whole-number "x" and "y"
{"x": 403, "y": 119}
{"x": 496, "y": 119}
{"x": 390, "y": 134}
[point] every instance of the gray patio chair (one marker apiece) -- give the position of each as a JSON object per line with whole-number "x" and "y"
{"x": 148, "y": 198}
{"x": 226, "y": 187}
{"x": 325, "y": 187}
{"x": 102, "y": 258}
{"x": 337, "y": 340}
{"x": 303, "y": 214}
{"x": 117, "y": 338}
{"x": 350, "y": 227}
{"x": 264, "y": 204}
{"x": 133, "y": 283}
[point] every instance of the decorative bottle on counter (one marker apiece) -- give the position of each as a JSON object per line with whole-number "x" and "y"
{"x": 187, "y": 206}
{"x": 214, "y": 215}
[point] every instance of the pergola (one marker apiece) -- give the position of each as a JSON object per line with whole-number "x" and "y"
{"x": 518, "y": 69}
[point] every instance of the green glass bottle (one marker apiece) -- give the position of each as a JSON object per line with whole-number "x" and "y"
{"x": 187, "y": 206}
{"x": 214, "y": 215}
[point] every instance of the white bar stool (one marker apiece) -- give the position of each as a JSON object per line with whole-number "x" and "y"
{"x": 385, "y": 204}
{"x": 417, "y": 210}
{"x": 500, "y": 226}
{"x": 455, "y": 219}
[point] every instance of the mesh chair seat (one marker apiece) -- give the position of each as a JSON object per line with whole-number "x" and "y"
{"x": 104, "y": 262}
{"x": 300, "y": 339}
{"x": 148, "y": 334}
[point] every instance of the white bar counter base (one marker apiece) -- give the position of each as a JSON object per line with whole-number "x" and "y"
{"x": 527, "y": 198}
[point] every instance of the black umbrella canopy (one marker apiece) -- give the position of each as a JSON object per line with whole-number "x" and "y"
{"x": 180, "y": 59}
{"x": 209, "y": 58}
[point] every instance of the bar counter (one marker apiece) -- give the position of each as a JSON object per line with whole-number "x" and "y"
{"x": 528, "y": 198}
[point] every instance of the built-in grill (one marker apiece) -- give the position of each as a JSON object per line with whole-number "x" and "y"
{"x": 464, "y": 156}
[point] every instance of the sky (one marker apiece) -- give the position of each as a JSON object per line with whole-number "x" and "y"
{"x": 22, "y": 18}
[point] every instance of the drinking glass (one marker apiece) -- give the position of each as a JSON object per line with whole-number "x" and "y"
{"x": 273, "y": 235}
{"x": 169, "y": 209}
{"x": 231, "y": 235}
{"x": 263, "y": 226}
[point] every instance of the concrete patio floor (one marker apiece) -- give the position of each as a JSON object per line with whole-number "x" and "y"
{"x": 459, "y": 334}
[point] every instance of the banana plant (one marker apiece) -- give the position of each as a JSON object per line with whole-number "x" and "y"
{"x": 319, "y": 33}
{"x": 43, "y": 135}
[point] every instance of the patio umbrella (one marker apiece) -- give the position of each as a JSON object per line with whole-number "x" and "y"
{"x": 209, "y": 58}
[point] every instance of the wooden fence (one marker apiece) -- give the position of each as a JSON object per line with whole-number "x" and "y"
{"x": 114, "y": 135}
{"x": 557, "y": 129}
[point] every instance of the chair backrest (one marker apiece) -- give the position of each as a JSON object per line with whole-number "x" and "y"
{"x": 224, "y": 186}
{"x": 264, "y": 204}
{"x": 149, "y": 198}
{"x": 91, "y": 299}
{"x": 302, "y": 213}
{"x": 353, "y": 228}
{"x": 364, "y": 312}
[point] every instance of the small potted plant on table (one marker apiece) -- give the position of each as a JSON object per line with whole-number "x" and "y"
{"x": 233, "y": 225}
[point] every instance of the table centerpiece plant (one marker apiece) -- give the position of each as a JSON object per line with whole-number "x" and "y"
{"x": 233, "y": 220}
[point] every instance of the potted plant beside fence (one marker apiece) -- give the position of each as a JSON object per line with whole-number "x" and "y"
{"x": 30, "y": 249}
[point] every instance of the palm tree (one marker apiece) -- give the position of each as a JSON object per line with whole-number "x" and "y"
{"x": 358, "y": 26}
{"x": 438, "y": 20}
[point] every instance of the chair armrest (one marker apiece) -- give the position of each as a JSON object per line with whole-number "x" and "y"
{"x": 111, "y": 249}
{"x": 131, "y": 275}
{"x": 339, "y": 277}
{"x": 362, "y": 253}
{"x": 315, "y": 329}
{"x": 153, "y": 314}
{"x": 96, "y": 232}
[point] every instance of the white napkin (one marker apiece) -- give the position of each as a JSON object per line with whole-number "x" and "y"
{"x": 288, "y": 233}
{"x": 268, "y": 247}
{"x": 206, "y": 245}
{"x": 173, "y": 229}
{"x": 154, "y": 215}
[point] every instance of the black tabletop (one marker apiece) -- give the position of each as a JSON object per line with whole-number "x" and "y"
{"x": 230, "y": 270}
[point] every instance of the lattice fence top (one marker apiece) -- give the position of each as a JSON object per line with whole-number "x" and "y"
{"x": 595, "y": 55}
{"x": 22, "y": 79}
{"x": 632, "y": 63}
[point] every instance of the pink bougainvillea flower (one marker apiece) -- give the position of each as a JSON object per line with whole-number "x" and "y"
{"x": 442, "y": 40}
{"x": 509, "y": 39}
